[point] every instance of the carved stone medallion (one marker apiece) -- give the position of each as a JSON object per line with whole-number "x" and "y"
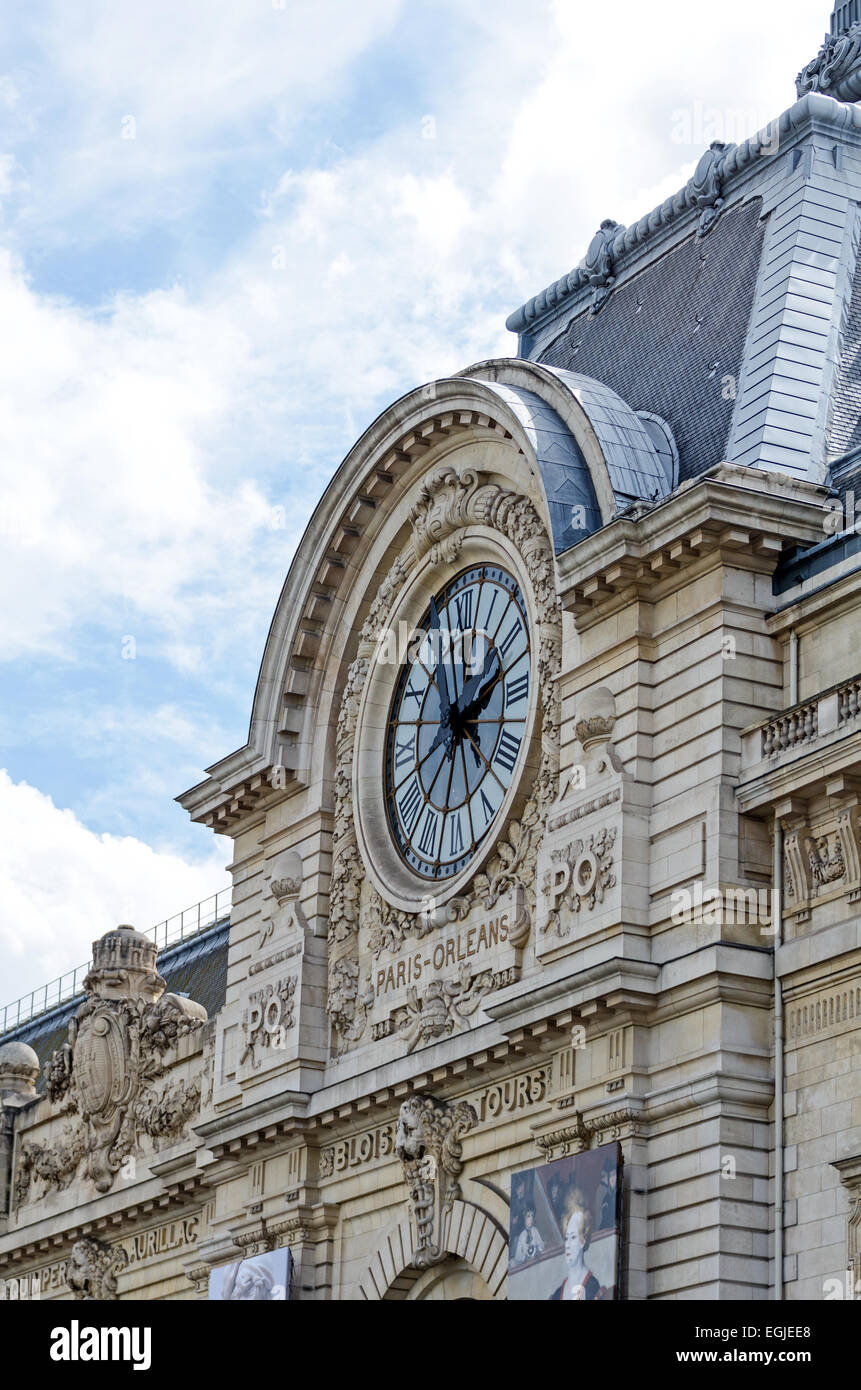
{"x": 104, "y": 1072}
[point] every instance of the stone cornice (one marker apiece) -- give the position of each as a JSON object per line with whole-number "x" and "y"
{"x": 730, "y": 509}
{"x": 748, "y": 1094}
{"x": 850, "y": 1171}
{"x": 766, "y": 786}
{"x": 620, "y": 982}
{"x": 290, "y": 1107}
{"x": 803, "y": 613}
{"x": 809, "y": 961}
{"x": 224, "y": 801}
{"x": 116, "y": 1216}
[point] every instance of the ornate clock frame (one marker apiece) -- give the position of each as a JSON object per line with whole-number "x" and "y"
{"x": 459, "y": 517}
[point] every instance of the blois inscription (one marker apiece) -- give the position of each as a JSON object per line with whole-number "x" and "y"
{"x": 491, "y": 1103}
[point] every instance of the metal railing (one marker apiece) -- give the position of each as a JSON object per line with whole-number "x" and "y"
{"x": 184, "y": 925}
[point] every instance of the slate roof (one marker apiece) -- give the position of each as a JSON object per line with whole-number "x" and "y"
{"x": 666, "y": 338}
{"x": 844, "y": 433}
{"x": 635, "y": 469}
{"x": 197, "y": 967}
{"x": 633, "y": 461}
{"x": 564, "y": 471}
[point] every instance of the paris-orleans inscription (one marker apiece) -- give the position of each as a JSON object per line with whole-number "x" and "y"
{"x": 423, "y": 994}
{"x": 492, "y": 1103}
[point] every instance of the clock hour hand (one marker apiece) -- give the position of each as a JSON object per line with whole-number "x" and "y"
{"x": 474, "y": 699}
{"x": 474, "y": 692}
{"x": 444, "y": 734}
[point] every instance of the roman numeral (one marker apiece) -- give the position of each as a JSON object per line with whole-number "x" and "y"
{"x": 516, "y": 627}
{"x": 516, "y": 690}
{"x": 456, "y": 836}
{"x": 506, "y": 753}
{"x": 491, "y": 608}
{"x": 410, "y": 804}
{"x": 463, "y": 604}
{"x": 427, "y": 843}
{"x": 411, "y": 694}
{"x": 403, "y": 752}
{"x": 487, "y": 809}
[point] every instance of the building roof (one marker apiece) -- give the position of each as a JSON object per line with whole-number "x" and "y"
{"x": 667, "y": 338}
{"x": 732, "y": 312}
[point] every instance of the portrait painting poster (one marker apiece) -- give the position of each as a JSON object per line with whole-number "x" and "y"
{"x": 565, "y": 1228}
{"x": 260, "y": 1278}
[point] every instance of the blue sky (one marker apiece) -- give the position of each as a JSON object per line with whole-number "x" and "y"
{"x": 231, "y": 231}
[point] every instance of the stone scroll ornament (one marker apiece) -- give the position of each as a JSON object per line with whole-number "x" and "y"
{"x": 104, "y": 1072}
{"x": 428, "y": 1144}
{"x": 706, "y": 185}
{"x": 599, "y": 262}
{"x": 448, "y": 504}
{"x": 835, "y": 69}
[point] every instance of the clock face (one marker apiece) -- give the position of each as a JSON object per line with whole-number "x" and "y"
{"x": 458, "y": 721}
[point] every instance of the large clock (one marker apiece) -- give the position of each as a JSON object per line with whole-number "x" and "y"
{"x": 457, "y": 726}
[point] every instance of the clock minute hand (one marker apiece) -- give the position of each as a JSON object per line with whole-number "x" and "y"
{"x": 439, "y": 667}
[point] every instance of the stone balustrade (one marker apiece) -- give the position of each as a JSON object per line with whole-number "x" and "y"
{"x": 802, "y": 727}
{"x": 849, "y": 701}
{"x": 790, "y": 730}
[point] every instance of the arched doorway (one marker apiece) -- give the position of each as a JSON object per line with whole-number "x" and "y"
{"x": 478, "y": 1269}
{"x": 455, "y": 1282}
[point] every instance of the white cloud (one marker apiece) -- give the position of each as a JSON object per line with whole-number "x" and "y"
{"x": 145, "y": 443}
{"x": 111, "y": 502}
{"x": 201, "y": 82}
{"x": 64, "y": 886}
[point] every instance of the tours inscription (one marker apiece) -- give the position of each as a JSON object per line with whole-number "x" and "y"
{"x": 492, "y": 1102}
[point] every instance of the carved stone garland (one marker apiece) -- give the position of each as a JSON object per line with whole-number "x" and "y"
{"x": 448, "y": 504}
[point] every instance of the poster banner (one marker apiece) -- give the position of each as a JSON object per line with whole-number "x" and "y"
{"x": 261, "y": 1278}
{"x": 564, "y": 1240}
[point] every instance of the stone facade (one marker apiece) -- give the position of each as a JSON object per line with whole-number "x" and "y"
{"x": 660, "y": 941}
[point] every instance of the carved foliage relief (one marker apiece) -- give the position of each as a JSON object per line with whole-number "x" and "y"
{"x": 580, "y": 874}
